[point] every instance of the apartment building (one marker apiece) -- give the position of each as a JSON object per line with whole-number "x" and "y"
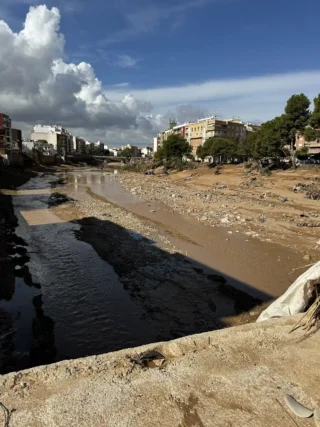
{"x": 180, "y": 130}
{"x": 55, "y": 135}
{"x": 16, "y": 137}
{"x": 196, "y": 133}
{"x": 79, "y": 144}
{"x": 5, "y": 133}
{"x": 146, "y": 152}
{"x": 230, "y": 128}
{"x": 313, "y": 146}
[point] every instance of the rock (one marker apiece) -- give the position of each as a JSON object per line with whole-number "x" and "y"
{"x": 203, "y": 218}
{"x": 161, "y": 170}
{"x": 262, "y": 218}
{"x": 307, "y": 257}
{"x": 152, "y": 211}
{"x": 225, "y": 220}
{"x": 283, "y": 199}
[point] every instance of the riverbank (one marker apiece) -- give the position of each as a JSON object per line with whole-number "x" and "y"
{"x": 259, "y": 207}
{"x": 233, "y": 377}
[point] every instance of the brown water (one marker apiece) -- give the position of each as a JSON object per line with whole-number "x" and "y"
{"x": 251, "y": 265}
{"x": 80, "y": 306}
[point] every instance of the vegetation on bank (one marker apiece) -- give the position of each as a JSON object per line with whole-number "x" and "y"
{"x": 174, "y": 147}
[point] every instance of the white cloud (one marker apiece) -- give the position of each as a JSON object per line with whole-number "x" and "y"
{"x": 125, "y": 84}
{"x": 259, "y": 98}
{"x": 221, "y": 89}
{"x": 125, "y": 61}
{"x": 38, "y": 86}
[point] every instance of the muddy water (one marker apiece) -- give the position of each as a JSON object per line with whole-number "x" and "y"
{"x": 82, "y": 299}
{"x": 258, "y": 268}
{"x": 78, "y": 304}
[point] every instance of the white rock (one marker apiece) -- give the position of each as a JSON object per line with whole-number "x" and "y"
{"x": 225, "y": 220}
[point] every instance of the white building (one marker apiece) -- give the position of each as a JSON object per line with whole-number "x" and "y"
{"x": 146, "y": 152}
{"x": 55, "y": 135}
{"x": 116, "y": 152}
{"x": 155, "y": 144}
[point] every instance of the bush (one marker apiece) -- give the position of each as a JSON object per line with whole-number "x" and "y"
{"x": 265, "y": 172}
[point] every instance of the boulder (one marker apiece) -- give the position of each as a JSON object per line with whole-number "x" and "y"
{"x": 161, "y": 170}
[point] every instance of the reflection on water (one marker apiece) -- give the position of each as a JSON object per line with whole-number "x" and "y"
{"x": 82, "y": 308}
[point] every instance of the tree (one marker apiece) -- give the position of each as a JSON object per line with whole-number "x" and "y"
{"x": 159, "y": 154}
{"x": 225, "y": 148}
{"x": 247, "y": 146}
{"x": 303, "y": 153}
{"x": 311, "y": 134}
{"x": 175, "y": 146}
{"x": 315, "y": 116}
{"x": 297, "y": 110}
{"x": 205, "y": 149}
{"x": 273, "y": 135}
{"x": 127, "y": 153}
{"x": 200, "y": 152}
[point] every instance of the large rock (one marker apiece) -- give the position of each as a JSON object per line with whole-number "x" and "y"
{"x": 161, "y": 170}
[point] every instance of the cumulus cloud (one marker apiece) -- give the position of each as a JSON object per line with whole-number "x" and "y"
{"x": 38, "y": 86}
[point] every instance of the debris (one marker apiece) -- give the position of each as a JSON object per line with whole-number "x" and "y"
{"x": 152, "y": 359}
{"x": 307, "y": 257}
{"x": 262, "y": 218}
{"x": 299, "y": 188}
{"x": 283, "y": 199}
{"x": 313, "y": 195}
{"x": 308, "y": 224}
{"x": 297, "y": 408}
{"x": 193, "y": 175}
{"x": 204, "y": 218}
{"x": 297, "y": 297}
{"x": 225, "y": 220}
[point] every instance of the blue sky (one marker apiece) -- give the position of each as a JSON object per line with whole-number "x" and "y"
{"x": 175, "y": 42}
{"x": 143, "y": 45}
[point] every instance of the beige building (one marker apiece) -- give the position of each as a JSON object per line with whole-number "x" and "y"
{"x": 197, "y": 133}
{"x": 313, "y": 146}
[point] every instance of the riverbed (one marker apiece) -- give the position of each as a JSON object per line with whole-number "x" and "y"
{"x": 108, "y": 271}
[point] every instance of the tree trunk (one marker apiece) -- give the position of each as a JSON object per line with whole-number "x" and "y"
{"x": 293, "y": 157}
